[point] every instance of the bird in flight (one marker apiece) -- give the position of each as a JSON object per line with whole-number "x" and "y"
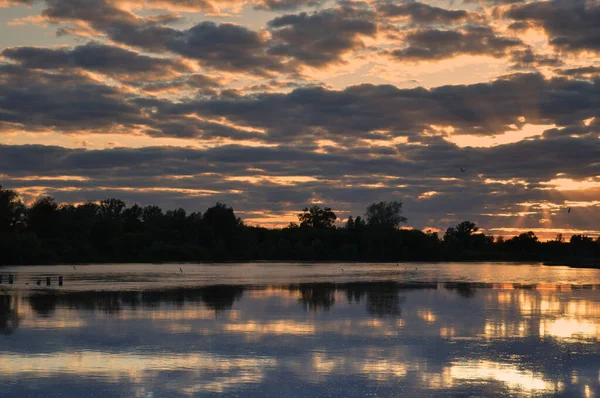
{"x": 463, "y": 170}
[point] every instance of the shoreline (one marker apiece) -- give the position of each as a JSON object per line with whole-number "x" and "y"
{"x": 515, "y": 262}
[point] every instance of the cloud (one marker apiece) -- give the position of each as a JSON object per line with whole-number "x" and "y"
{"x": 581, "y": 72}
{"x": 37, "y": 100}
{"x": 421, "y": 13}
{"x": 321, "y": 38}
{"x": 285, "y": 5}
{"x": 436, "y": 44}
{"x": 225, "y": 46}
{"x": 572, "y": 25}
{"x": 216, "y": 7}
{"x": 369, "y": 111}
{"x": 9, "y": 3}
{"x": 528, "y": 59}
{"x": 304, "y": 116}
{"x": 199, "y": 83}
{"x": 109, "y": 60}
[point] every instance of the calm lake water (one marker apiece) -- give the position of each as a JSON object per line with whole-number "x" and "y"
{"x": 300, "y": 330}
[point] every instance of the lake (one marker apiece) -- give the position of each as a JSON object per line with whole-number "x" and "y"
{"x": 300, "y": 330}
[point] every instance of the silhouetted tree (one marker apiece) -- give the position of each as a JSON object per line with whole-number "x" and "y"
{"x": 317, "y": 217}
{"x": 359, "y": 223}
{"x": 132, "y": 218}
{"x": 111, "y": 208}
{"x": 350, "y": 223}
{"x": 221, "y": 219}
{"x": 385, "y": 215}
{"x": 524, "y": 242}
{"x": 110, "y": 231}
{"x": 151, "y": 214}
{"x": 559, "y": 238}
{"x": 460, "y": 236}
{"x": 11, "y": 209}
{"x": 42, "y": 217}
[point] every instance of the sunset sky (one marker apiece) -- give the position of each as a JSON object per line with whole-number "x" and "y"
{"x": 272, "y": 105}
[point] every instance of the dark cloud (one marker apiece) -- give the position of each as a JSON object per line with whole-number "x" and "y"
{"x": 8, "y": 3}
{"x": 495, "y": 2}
{"x": 487, "y": 108}
{"x": 68, "y": 102}
{"x": 528, "y": 59}
{"x": 572, "y": 25}
{"x": 118, "y": 24}
{"x": 321, "y": 38}
{"x": 520, "y": 26}
{"x": 37, "y": 99}
{"x": 582, "y": 72}
{"x": 435, "y": 44}
{"x": 210, "y": 6}
{"x": 97, "y": 57}
{"x": 421, "y": 13}
{"x": 285, "y": 5}
{"x": 225, "y": 46}
{"x": 199, "y": 83}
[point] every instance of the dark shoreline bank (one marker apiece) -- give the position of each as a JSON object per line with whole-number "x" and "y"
{"x": 591, "y": 265}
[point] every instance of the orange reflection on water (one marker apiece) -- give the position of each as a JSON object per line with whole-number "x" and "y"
{"x": 41, "y": 323}
{"x": 114, "y": 366}
{"x": 164, "y": 314}
{"x": 426, "y": 315}
{"x": 570, "y": 329}
{"x": 514, "y": 378}
{"x": 276, "y": 327}
{"x": 447, "y": 332}
{"x": 504, "y": 329}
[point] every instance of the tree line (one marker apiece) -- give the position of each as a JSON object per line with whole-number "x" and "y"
{"x": 109, "y": 231}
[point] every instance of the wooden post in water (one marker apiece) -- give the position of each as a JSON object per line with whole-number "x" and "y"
{"x": 47, "y": 281}
{"x": 10, "y": 279}
{"x": 60, "y": 280}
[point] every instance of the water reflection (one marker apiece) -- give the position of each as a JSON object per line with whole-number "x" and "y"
{"x": 305, "y": 339}
{"x": 9, "y": 314}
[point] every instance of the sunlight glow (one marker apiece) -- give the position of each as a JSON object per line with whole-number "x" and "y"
{"x": 528, "y": 131}
{"x": 278, "y": 180}
{"x": 49, "y": 178}
{"x": 426, "y": 195}
{"x": 567, "y": 184}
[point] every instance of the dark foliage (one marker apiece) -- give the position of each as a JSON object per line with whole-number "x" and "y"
{"x": 109, "y": 231}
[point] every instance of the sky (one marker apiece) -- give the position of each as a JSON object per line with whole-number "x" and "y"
{"x": 273, "y": 105}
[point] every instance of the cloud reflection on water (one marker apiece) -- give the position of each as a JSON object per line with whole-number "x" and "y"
{"x": 481, "y": 339}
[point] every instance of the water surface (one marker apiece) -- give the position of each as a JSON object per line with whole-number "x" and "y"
{"x": 301, "y": 330}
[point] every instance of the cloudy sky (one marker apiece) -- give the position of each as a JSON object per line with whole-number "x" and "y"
{"x": 271, "y": 105}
